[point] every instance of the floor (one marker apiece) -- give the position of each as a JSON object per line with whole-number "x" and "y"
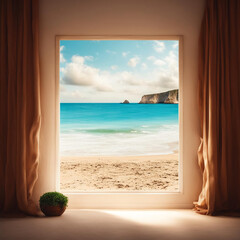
{"x": 122, "y": 225}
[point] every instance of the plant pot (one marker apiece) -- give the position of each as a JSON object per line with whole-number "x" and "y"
{"x": 53, "y": 210}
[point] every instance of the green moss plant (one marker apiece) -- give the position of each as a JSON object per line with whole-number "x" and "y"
{"x": 53, "y": 199}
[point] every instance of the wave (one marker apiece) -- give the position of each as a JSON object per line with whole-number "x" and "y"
{"x": 100, "y": 142}
{"x": 111, "y": 131}
{"x": 106, "y": 131}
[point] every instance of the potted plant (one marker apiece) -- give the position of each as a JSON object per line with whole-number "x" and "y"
{"x": 53, "y": 203}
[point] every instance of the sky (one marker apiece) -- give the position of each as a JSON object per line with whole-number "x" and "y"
{"x": 110, "y": 71}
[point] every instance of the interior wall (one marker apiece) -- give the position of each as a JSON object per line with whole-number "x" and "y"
{"x": 125, "y": 17}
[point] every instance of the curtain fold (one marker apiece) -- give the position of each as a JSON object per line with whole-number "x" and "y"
{"x": 219, "y": 101}
{"x": 20, "y": 115}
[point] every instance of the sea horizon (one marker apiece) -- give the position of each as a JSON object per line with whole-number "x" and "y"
{"x": 114, "y": 103}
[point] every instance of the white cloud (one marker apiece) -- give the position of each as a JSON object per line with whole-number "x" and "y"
{"x": 159, "y": 62}
{"x": 103, "y": 87}
{"x": 62, "y": 88}
{"x": 159, "y": 46}
{"x": 168, "y": 76}
{"x": 133, "y": 61}
{"x": 172, "y": 61}
{"x": 114, "y": 67}
{"x": 156, "y": 61}
{"x": 76, "y": 93}
{"x": 175, "y": 45}
{"x": 89, "y": 58}
{"x": 72, "y": 95}
{"x": 78, "y": 73}
{"x": 125, "y": 54}
{"x": 90, "y": 84}
{"x": 144, "y": 66}
{"x": 152, "y": 58}
{"x": 62, "y": 59}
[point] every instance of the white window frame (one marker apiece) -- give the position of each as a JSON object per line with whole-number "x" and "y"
{"x": 125, "y": 200}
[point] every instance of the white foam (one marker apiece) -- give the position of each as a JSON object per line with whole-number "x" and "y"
{"x": 163, "y": 141}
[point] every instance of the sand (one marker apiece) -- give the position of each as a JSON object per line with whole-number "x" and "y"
{"x": 119, "y": 173}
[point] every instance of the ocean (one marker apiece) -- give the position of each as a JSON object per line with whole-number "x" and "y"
{"x": 114, "y": 129}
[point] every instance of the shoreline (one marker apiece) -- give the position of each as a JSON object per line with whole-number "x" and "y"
{"x": 119, "y": 173}
{"x": 174, "y": 149}
{"x": 122, "y": 158}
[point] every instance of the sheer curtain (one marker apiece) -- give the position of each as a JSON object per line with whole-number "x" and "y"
{"x": 219, "y": 100}
{"x": 19, "y": 105}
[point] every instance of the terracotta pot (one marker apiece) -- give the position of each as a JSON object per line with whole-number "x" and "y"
{"x": 53, "y": 210}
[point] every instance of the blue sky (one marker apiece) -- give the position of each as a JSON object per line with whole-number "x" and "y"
{"x": 115, "y": 70}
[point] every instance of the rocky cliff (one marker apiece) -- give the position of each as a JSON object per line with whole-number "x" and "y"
{"x": 164, "y": 97}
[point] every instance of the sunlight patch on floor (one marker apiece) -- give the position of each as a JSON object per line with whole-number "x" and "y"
{"x": 164, "y": 218}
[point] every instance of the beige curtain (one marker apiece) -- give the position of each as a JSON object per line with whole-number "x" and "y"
{"x": 219, "y": 99}
{"x": 19, "y": 105}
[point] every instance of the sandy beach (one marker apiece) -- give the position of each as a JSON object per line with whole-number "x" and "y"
{"x": 119, "y": 173}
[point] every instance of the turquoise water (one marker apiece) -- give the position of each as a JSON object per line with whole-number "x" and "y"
{"x": 118, "y": 129}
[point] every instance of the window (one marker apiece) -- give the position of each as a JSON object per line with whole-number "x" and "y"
{"x": 107, "y": 144}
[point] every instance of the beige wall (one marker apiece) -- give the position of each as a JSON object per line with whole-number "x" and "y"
{"x": 121, "y": 17}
